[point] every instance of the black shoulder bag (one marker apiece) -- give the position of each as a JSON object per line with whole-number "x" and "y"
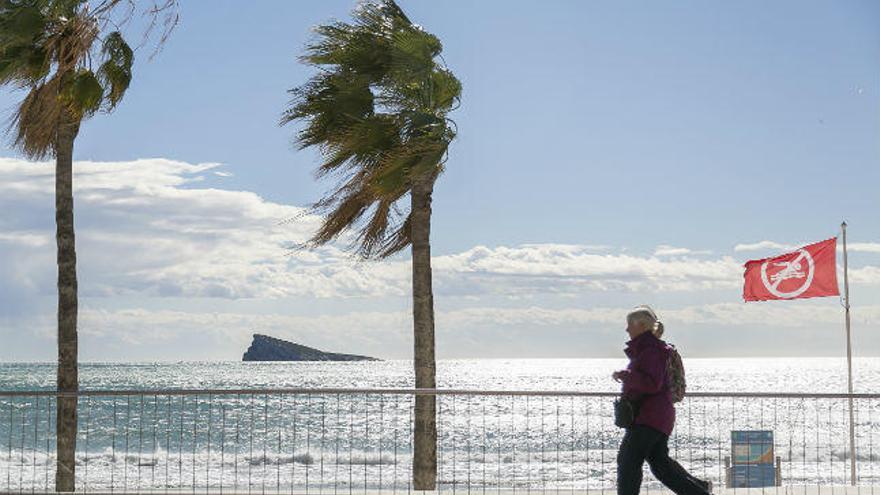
{"x": 625, "y": 412}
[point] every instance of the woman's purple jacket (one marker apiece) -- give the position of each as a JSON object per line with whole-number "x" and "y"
{"x": 645, "y": 380}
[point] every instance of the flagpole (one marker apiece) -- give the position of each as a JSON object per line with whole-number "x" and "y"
{"x": 852, "y": 428}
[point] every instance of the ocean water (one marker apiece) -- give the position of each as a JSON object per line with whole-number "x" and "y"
{"x": 331, "y": 442}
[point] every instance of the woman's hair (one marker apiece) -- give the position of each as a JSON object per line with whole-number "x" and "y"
{"x": 646, "y": 316}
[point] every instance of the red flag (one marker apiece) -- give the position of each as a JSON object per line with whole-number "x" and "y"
{"x": 811, "y": 271}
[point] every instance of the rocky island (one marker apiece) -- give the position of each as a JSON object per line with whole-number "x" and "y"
{"x": 265, "y": 348}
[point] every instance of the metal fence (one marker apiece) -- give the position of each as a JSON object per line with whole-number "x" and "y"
{"x": 358, "y": 441}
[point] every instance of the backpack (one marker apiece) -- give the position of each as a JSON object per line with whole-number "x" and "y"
{"x": 675, "y": 374}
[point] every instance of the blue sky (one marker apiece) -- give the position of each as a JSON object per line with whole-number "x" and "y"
{"x": 592, "y": 134}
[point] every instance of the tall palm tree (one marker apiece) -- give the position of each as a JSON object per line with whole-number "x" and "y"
{"x": 378, "y": 111}
{"x": 70, "y": 68}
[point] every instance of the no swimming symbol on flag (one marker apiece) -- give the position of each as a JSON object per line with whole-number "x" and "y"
{"x": 797, "y": 274}
{"x": 810, "y": 271}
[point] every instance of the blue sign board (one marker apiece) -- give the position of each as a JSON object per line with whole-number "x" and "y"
{"x": 752, "y": 459}
{"x": 753, "y": 475}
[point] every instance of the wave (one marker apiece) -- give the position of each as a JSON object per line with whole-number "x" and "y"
{"x": 279, "y": 459}
{"x": 26, "y": 458}
{"x": 108, "y": 456}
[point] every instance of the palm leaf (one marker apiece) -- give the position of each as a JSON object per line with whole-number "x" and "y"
{"x": 83, "y": 94}
{"x": 377, "y": 110}
{"x": 115, "y": 72}
{"x": 34, "y": 122}
{"x": 22, "y": 59}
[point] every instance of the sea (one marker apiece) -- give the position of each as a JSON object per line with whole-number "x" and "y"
{"x": 330, "y": 441}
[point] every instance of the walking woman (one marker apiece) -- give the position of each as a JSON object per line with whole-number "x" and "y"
{"x": 646, "y": 383}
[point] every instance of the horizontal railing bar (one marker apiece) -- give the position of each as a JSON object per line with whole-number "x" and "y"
{"x": 414, "y": 391}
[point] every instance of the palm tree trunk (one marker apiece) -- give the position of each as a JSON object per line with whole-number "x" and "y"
{"x": 425, "y": 428}
{"x": 68, "y": 380}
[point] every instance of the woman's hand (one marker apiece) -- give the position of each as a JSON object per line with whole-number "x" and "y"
{"x": 618, "y": 376}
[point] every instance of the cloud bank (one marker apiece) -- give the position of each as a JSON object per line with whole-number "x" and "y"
{"x": 154, "y": 233}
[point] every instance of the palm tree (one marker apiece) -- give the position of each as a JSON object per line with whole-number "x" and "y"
{"x": 57, "y": 51}
{"x": 378, "y": 111}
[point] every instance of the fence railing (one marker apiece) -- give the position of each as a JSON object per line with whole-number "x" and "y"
{"x": 355, "y": 440}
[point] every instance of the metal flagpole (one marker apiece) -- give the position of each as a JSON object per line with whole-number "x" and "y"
{"x": 852, "y": 427}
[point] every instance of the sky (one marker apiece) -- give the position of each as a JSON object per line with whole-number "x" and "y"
{"x": 609, "y": 154}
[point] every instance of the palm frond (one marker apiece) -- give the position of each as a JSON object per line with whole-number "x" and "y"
{"x": 398, "y": 240}
{"x": 372, "y": 236}
{"x": 48, "y": 47}
{"x": 377, "y": 110}
{"x": 115, "y": 72}
{"x": 83, "y": 94}
{"x": 347, "y": 210}
{"x": 34, "y": 123}
{"x": 23, "y": 60}
{"x": 70, "y": 42}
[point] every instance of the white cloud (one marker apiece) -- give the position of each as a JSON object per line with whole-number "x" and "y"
{"x": 29, "y": 239}
{"x": 144, "y": 227}
{"x": 563, "y": 268}
{"x": 762, "y": 246}
{"x": 594, "y": 248}
{"x": 783, "y": 314}
{"x": 863, "y": 247}
{"x": 664, "y": 250}
{"x": 865, "y": 275}
{"x": 853, "y": 247}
